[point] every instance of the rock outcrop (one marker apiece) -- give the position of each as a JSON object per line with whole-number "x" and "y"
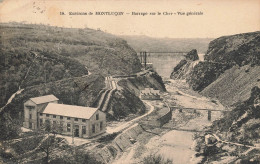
{"x": 182, "y": 70}
{"x": 229, "y": 70}
{"x": 240, "y": 126}
{"x": 224, "y": 53}
{"x": 192, "y": 55}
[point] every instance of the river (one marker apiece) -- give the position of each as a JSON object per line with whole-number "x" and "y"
{"x": 176, "y": 145}
{"x": 164, "y": 63}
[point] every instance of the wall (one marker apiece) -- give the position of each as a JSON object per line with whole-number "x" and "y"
{"x": 80, "y": 123}
{"x": 93, "y": 121}
{"x": 33, "y": 112}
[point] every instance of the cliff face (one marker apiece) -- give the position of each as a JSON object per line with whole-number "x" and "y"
{"x": 182, "y": 70}
{"x": 241, "y": 125}
{"x": 229, "y": 70}
{"x": 224, "y": 53}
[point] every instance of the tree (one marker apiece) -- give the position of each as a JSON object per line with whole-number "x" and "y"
{"x": 50, "y": 141}
{"x": 156, "y": 159}
{"x": 9, "y": 128}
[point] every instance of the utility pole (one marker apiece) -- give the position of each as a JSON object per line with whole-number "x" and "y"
{"x": 141, "y": 58}
{"x": 72, "y": 126}
{"x": 145, "y": 59}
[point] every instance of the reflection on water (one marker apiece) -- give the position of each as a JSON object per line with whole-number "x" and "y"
{"x": 165, "y": 62}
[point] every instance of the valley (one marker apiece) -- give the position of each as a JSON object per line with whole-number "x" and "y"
{"x": 196, "y": 107}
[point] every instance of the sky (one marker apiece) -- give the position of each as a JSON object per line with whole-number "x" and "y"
{"x": 220, "y": 17}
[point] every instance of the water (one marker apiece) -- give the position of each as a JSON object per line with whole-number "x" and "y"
{"x": 165, "y": 62}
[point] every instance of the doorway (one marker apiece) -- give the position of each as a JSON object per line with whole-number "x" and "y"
{"x": 76, "y": 131}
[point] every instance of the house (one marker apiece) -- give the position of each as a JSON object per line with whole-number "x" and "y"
{"x": 33, "y": 107}
{"x": 78, "y": 121}
{"x": 150, "y": 94}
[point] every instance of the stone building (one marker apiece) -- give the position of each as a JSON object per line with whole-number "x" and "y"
{"x": 79, "y": 121}
{"x": 150, "y": 94}
{"x": 33, "y": 107}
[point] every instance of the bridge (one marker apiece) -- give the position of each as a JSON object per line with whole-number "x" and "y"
{"x": 195, "y": 109}
{"x": 145, "y": 54}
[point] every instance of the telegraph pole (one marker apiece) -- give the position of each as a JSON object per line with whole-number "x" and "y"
{"x": 141, "y": 58}
{"x": 72, "y": 126}
{"x": 145, "y": 56}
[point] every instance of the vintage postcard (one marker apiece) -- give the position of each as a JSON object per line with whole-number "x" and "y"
{"x": 129, "y": 82}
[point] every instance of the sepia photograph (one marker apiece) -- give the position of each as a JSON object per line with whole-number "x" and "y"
{"x": 129, "y": 82}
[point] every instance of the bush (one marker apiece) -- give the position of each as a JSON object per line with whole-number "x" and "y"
{"x": 156, "y": 159}
{"x": 108, "y": 137}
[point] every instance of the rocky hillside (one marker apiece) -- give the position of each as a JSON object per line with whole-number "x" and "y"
{"x": 182, "y": 70}
{"x": 149, "y": 79}
{"x": 236, "y": 81}
{"x": 230, "y": 67}
{"x": 240, "y": 127}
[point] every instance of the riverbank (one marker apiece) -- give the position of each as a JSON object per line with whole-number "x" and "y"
{"x": 175, "y": 145}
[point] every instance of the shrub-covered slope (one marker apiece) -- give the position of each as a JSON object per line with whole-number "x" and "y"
{"x": 43, "y": 60}
{"x": 241, "y": 126}
{"x": 242, "y": 123}
{"x": 36, "y": 54}
{"x": 20, "y": 69}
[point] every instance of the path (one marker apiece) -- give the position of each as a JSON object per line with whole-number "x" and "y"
{"x": 176, "y": 141}
{"x": 128, "y": 124}
{"x": 234, "y": 143}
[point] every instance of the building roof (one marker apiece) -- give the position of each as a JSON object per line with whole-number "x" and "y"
{"x": 150, "y": 91}
{"x": 70, "y": 110}
{"x": 44, "y": 99}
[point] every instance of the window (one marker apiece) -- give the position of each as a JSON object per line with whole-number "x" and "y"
{"x": 54, "y": 116}
{"x": 47, "y": 125}
{"x": 84, "y": 131}
{"x": 61, "y": 117}
{"x": 97, "y": 116}
{"x": 68, "y": 118}
{"x": 30, "y": 107}
{"x": 61, "y": 127}
{"x": 93, "y": 128}
{"x": 68, "y": 128}
{"x": 30, "y": 116}
{"x": 47, "y": 115}
{"x": 76, "y": 119}
{"x": 83, "y": 120}
{"x": 30, "y": 125}
{"x": 40, "y": 114}
{"x": 101, "y": 125}
{"x": 41, "y": 122}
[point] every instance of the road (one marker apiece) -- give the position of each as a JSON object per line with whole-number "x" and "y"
{"x": 130, "y": 123}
